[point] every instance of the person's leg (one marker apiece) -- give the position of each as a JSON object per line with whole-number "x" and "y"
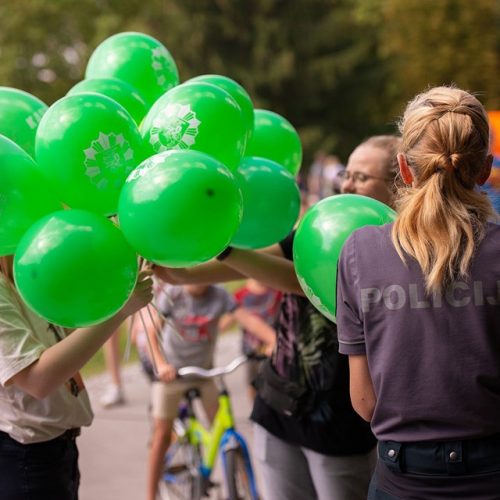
{"x": 283, "y": 468}
{"x": 160, "y": 441}
{"x": 165, "y": 400}
{"x": 342, "y": 478}
{"x": 114, "y": 393}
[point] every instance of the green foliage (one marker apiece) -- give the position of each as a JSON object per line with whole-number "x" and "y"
{"x": 339, "y": 70}
{"x": 427, "y": 42}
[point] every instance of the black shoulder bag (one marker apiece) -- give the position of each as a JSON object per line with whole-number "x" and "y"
{"x": 284, "y": 396}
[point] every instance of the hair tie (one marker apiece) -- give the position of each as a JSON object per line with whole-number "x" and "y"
{"x": 444, "y": 163}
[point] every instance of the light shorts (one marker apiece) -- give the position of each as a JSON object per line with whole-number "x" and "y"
{"x": 166, "y": 396}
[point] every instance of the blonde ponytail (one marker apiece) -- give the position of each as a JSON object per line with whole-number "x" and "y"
{"x": 442, "y": 217}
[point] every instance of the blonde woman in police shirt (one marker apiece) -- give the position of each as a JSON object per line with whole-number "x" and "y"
{"x": 418, "y": 312}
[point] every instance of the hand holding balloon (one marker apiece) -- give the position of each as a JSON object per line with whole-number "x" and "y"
{"x": 142, "y": 294}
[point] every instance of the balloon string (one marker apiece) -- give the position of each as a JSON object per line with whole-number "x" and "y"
{"x": 128, "y": 346}
{"x": 153, "y": 361}
{"x": 157, "y": 330}
{"x": 167, "y": 297}
{"x": 170, "y": 322}
{"x": 142, "y": 262}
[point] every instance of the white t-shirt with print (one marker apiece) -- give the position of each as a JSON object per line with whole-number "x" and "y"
{"x": 23, "y": 338}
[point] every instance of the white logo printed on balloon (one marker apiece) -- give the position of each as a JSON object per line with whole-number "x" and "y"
{"x": 111, "y": 153}
{"x": 175, "y": 127}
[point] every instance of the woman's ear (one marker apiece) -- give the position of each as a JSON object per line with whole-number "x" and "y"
{"x": 486, "y": 170}
{"x": 404, "y": 169}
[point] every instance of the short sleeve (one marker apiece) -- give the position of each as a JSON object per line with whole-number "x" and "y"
{"x": 19, "y": 347}
{"x": 227, "y": 301}
{"x": 349, "y": 323}
{"x": 165, "y": 296}
{"x": 239, "y": 296}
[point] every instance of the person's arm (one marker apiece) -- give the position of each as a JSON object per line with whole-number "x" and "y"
{"x": 269, "y": 267}
{"x": 60, "y": 362}
{"x": 226, "y": 322}
{"x": 203, "y": 274}
{"x": 256, "y": 326}
{"x": 351, "y": 332}
{"x": 166, "y": 372}
{"x": 361, "y": 387}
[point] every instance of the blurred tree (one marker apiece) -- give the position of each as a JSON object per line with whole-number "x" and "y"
{"x": 312, "y": 61}
{"x": 429, "y": 42}
{"x": 339, "y": 70}
{"x": 309, "y": 60}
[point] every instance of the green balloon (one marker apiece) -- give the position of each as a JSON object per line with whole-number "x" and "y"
{"x": 20, "y": 114}
{"x": 180, "y": 208}
{"x": 86, "y": 145}
{"x": 275, "y": 138}
{"x": 236, "y": 91}
{"x": 197, "y": 116}
{"x": 122, "y": 92}
{"x": 138, "y": 59}
{"x": 320, "y": 237}
{"x": 271, "y": 203}
{"x": 75, "y": 268}
{"x": 25, "y": 195}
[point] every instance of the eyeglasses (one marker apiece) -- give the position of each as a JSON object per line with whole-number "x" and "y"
{"x": 360, "y": 177}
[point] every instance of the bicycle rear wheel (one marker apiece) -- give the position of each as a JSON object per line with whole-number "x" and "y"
{"x": 238, "y": 475}
{"x": 181, "y": 479}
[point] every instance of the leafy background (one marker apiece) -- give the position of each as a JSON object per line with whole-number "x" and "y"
{"x": 339, "y": 70}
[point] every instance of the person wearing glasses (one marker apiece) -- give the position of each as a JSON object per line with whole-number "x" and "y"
{"x": 318, "y": 448}
{"x": 372, "y": 169}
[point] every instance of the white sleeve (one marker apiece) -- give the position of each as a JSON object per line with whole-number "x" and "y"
{"x": 19, "y": 347}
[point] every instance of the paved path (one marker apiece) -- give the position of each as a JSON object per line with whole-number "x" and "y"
{"x": 113, "y": 451}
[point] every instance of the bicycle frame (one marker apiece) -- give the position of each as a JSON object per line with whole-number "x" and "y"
{"x": 221, "y": 437}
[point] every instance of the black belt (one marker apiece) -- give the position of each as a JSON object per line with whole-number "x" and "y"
{"x": 70, "y": 434}
{"x": 470, "y": 456}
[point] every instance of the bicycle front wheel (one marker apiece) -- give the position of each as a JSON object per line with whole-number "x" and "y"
{"x": 181, "y": 479}
{"x": 239, "y": 475}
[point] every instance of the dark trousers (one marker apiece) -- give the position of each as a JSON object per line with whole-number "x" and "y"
{"x": 39, "y": 471}
{"x": 468, "y": 469}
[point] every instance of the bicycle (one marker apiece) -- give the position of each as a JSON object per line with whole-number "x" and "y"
{"x": 191, "y": 458}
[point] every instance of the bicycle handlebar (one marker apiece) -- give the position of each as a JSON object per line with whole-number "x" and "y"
{"x": 217, "y": 372}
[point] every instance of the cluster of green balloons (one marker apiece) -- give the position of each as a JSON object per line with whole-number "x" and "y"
{"x": 189, "y": 168}
{"x": 320, "y": 237}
